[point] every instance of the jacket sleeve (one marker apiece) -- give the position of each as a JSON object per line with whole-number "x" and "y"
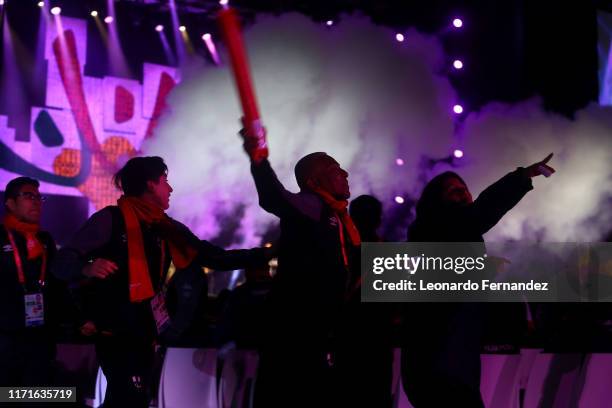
{"x": 214, "y": 257}
{"x": 217, "y": 258}
{"x": 275, "y": 199}
{"x": 497, "y": 199}
{"x": 95, "y": 233}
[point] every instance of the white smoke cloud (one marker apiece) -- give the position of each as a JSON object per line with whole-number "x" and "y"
{"x": 502, "y": 137}
{"x": 353, "y": 91}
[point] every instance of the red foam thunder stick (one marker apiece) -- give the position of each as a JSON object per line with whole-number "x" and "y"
{"x": 254, "y": 134}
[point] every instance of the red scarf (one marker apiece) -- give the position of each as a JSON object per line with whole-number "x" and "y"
{"x": 340, "y": 208}
{"x": 29, "y": 231}
{"x": 135, "y": 211}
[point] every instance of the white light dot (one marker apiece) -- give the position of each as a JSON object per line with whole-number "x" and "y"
{"x": 399, "y": 37}
{"x": 458, "y": 23}
{"x": 329, "y": 23}
{"x": 41, "y": 4}
{"x": 458, "y": 153}
{"x": 224, "y": 2}
{"x": 56, "y": 11}
{"x": 206, "y": 37}
{"x": 94, "y": 13}
{"x": 159, "y": 28}
{"x": 458, "y": 109}
{"x": 399, "y": 199}
{"x": 458, "y": 64}
{"x": 399, "y": 162}
{"x": 182, "y": 29}
{"x": 109, "y": 19}
{"x": 1, "y": 2}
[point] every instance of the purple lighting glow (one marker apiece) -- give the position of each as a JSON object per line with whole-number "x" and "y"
{"x": 458, "y": 23}
{"x": 458, "y": 153}
{"x": 399, "y": 37}
{"x": 458, "y": 64}
{"x": 109, "y": 19}
{"x": 458, "y": 109}
{"x": 399, "y": 199}
{"x": 224, "y": 2}
{"x": 399, "y": 162}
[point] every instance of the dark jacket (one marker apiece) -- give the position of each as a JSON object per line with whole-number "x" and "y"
{"x": 311, "y": 281}
{"x": 106, "y": 301}
{"x": 444, "y": 339}
{"x": 12, "y": 308}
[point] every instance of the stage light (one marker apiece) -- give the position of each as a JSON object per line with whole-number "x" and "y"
{"x": 182, "y": 29}
{"x": 458, "y": 23}
{"x": 109, "y": 19}
{"x": 94, "y": 13}
{"x": 41, "y": 4}
{"x": 399, "y": 37}
{"x": 458, "y": 153}
{"x": 457, "y": 64}
{"x": 399, "y": 162}
{"x": 159, "y": 28}
{"x": 458, "y": 109}
{"x": 1, "y": 2}
{"x": 224, "y": 2}
{"x": 329, "y": 23}
{"x": 210, "y": 45}
{"x": 399, "y": 199}
{"x": 56, "y": 11}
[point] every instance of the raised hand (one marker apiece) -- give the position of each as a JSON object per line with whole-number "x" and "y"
{"x": 254, "y": 138}
{"x": 540, "y": 168}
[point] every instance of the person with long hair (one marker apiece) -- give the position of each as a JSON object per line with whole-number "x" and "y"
{"x": 442, "y": 342}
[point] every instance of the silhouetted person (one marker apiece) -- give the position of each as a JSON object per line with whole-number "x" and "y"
{"x": 366, "y": 211}
{"x": 126, "y": 251}
{"x": 364, "y": 351}
{"x": 316, "y": 249}
{"x": 441, "y": 356}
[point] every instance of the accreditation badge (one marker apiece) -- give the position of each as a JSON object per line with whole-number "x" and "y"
{"x": 160, "y": 313}
{"x": 34, "y": 310}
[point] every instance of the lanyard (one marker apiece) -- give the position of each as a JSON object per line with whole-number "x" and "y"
{"x": 342, "y": 242}
{"x": 162, "y": 261}
{"x": 19, "y": 264}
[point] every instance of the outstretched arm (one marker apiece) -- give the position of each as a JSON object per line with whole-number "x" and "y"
{"x": 214, "y": 257}
{"x": 497, "y": 199}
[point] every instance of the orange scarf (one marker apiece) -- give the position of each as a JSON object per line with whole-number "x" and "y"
{"x": 29, "y": 231}
{"x": 135, "y": 211}
{"x": 340, "y": 208}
